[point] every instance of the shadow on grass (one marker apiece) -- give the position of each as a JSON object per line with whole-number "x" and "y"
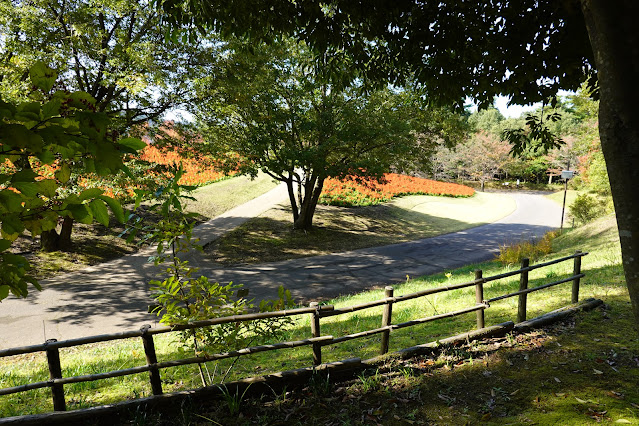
{"x": 267, "y": 239}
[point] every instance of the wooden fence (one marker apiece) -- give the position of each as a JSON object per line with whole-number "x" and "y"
{"x": 317, "y": 341}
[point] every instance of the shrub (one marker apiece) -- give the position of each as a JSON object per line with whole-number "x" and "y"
{"x": 586, "y": 208}
{"x": 514, "y": 253}
{"x": 352, "y": 192}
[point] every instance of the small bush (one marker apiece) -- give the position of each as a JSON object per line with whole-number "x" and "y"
{"x": 586, "y": 208}
{"x": 513, "y": 254}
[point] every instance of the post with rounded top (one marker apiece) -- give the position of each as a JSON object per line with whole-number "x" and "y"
{"x": 575, "y": 282}
{"x": 479, "y": 297}
{"x": 523, "y": 285}
{"x": 315, "y": 330}
{"x": 55, "y": 372}
{"x": 386, "y": 319}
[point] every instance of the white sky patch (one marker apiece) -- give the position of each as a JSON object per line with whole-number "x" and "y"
{"x": 179, "y": 115}
{"x": 513, "y": 111}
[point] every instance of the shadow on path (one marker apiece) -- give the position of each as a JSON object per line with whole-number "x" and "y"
{"x": 114, "y": 296}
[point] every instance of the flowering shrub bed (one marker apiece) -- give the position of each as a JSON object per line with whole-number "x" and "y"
{"x": 349, "y": 192}
{"x": 199, "y": 169}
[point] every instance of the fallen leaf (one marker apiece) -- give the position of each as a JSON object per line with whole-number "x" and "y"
{"x": 614, "y": 394}
{"x": 486, "y": 417}
{"x": 560, "y": 395}
{"x": 515, "y": 392}
{"x": 624, "y": 421}
{"x": 557, "y": 380}
{"x": 597, "y": 371}
{"x": 581, "y": 401}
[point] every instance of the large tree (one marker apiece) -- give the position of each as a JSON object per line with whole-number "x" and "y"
{"x": 269, "y": 108}
{"x": 55, "y": 128}
{"x": 114, "y": 50}
{"x": 526, "y": 49}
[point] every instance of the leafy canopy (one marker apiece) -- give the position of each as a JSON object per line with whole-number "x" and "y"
{"x": 59, "y": 129}
{"x": 271, "y": 108}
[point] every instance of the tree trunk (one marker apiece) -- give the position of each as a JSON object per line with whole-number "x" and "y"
{"x": 291, "y": 198}
{"x": 615, "y": 42}
{"x": 49, "y": 240}
{"x": 64, "y": 242}
{"x": 312, "y": 192}
{"x": 52, "y": 241}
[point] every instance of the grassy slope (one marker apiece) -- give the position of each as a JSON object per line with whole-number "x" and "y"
{"x": 219, "y": 197}
{"x": 270, "y": 237}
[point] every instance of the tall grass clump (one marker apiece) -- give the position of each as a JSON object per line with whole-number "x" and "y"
{"x": 514, "y": 253}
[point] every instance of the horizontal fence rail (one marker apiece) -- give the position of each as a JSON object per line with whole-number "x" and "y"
{"x": 317, "y": 341}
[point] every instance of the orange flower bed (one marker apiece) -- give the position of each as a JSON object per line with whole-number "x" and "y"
{"x": 199, "y": 170}
{"x": 349, "y": 192}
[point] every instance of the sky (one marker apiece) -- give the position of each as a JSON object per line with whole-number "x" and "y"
{"x": 512, "y": 111}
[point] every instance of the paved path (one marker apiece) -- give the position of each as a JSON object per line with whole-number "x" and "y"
{"x": 113, "y": 296}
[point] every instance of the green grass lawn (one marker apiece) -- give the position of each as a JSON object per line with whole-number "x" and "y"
{"x": 514, "y": 389}
{"x": 270, "y": 237}
{"x": 214, "y": 199}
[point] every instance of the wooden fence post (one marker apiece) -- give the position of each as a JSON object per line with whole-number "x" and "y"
{"x": 575, "y": 282}
{"x": 315, "y": 329}
{"x": 523, "y": 285}
{"x": 151, "y": 359}
{"x": 55, "y": 372}
{"x": 479, "y": 297}
{"x": 386, "y": 319}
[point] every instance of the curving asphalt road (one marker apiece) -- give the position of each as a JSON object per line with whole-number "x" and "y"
{"x": 113, "y": 296}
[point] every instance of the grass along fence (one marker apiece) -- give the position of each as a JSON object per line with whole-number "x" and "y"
{"x": 317, "y": 341}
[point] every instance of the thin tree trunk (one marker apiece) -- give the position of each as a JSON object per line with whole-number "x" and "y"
{"x": 291, "y": 197}
{"x": 615, "y": 42}
{"x": 64, "y": 241}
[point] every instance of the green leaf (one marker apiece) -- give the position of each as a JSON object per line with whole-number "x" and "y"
{"x": 4, "y": 244}
{"x": 42, "y": 76}
{"x": 10, "y": 202}
{"x": 46, "y": 157}
{"x": 99, "y": 211}
{"x": 80, "y": 100}
{"x": 11, "y": 226}
{"x": 131, "y": 145}
{"x": 28, "y": 111}
{"x": 14, "y": 259}
{"x": 81, "y": 213}
{"x": 47, "y": 187}
{"x": 115, "y": 207}
{"x": 63, "y": 174}
{"x": 28, "y": 189}
{"x": 4, "y": 291}
{"x": 90, "y": 193}
{"x": 26, "y": 175}
{"x": 49, "y": 220}
{"x": 18, "y": 136}
{"x": 51, "y": 108}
